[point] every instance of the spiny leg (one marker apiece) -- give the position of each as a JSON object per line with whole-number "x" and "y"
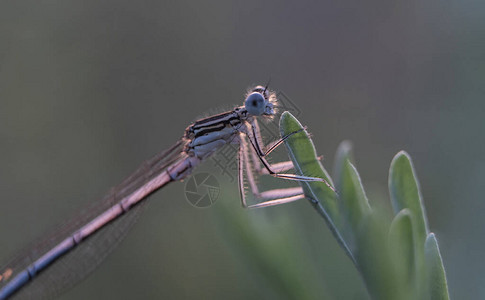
{"x": 273, "y": 197}
{"x": 253, "y": 139}
{"x": 256, "y": 133}
{"x": 276, "y": 167}
{"x": 278, "y": 201}
{"x": 242, "y": 163}
{"x": 270, "y": 169}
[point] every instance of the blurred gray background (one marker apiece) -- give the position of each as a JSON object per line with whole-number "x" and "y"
{"x": 90, "y": 89}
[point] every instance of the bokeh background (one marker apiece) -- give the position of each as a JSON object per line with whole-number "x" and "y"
{"x": 90, "y": 89}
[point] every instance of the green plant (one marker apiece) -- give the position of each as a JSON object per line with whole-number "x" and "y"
{"x": 398, "y": 258}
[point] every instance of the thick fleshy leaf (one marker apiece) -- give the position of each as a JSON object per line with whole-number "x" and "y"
{"x": 344, "y": 153}
{"x": 353, "y": 201}
{"x": 404, "y": 190}
{"x": 390, "y": 256}
{"x": 352, "y": 195}
{"x": 435, "y": 271}
{"x": 375, "y": 260}
{"x": 402, "y": 246}
{"x": 269, "y": 244}
{"x": 302, "y": 152}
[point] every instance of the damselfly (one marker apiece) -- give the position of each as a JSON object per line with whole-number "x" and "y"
{"x": 79, "y": 246}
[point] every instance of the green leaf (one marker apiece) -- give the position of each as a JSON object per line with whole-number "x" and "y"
{"x": 404, "y": 190}
{"x": 269, "y": 244}
{"x": 390, "y": 256}
{"x": 402, "y": 246}
{"x": 302, "y": 152}
{"x": 375, "y": 260}
{"x": 354, "y": 205}
{"x": 344, "y": 153}
{"x": 435, "y": 271}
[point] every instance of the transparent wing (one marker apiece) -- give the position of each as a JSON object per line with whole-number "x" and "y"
{"x": 84, "y": 258}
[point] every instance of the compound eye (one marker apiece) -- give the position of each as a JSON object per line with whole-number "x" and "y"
{"x": 255, "y": 104}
